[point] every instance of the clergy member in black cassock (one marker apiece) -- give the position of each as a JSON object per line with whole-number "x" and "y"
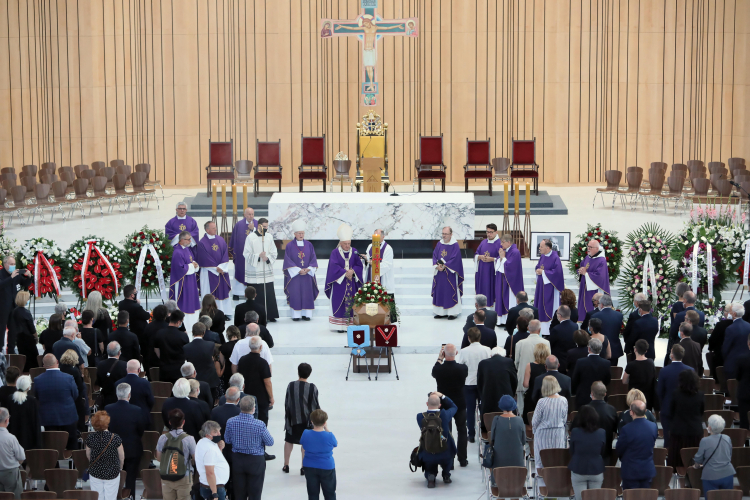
{"x": 11, "y": 282}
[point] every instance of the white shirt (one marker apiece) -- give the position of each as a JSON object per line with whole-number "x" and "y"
{"x": 242, "y": 348}
{"x": 470, "y": 356}
{"x": 208, "y": 453}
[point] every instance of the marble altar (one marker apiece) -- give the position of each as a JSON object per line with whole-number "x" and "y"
{"x": 409, "y": 216}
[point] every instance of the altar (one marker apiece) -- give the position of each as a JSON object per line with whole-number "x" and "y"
{"x": 409, "y": 216}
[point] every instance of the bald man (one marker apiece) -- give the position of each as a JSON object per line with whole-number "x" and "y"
{"x": 140, "y": 390}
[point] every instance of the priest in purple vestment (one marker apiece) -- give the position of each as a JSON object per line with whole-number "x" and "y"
{"x": 300, "y": 265}
{"x": 343, "y": 279}
{"x": 508, "y": 277}
{"x": 484, "y": 259}
{"x": 594, "y": 276}
{"x": 183, "y": 286}
{"x": 549, "y": 284}
{"x": 212, "y": 255}
{"x": 241, "y": 231}
{"x": 448, "y": 280}
{"x": 179, "y": 223}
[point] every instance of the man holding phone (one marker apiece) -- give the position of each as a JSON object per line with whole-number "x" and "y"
{"x": 451, "y": 378}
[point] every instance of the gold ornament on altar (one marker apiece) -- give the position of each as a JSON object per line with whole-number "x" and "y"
{"x": 341, "y": 156}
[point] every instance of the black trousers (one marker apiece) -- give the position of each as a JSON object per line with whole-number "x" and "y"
{"x": 248, "y": 474}
{"x": 263, "y": 414}
{"x": 462, "y": 443}
{"x": 318, "y": 479}
{"x": 71, "y": 429}
{"x": 131, "y": 470}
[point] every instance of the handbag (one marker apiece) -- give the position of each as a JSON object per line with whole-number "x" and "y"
{"x": 414, "y": 461}
{"x": 489, "y": 452}
{"x": 85, "y": 475}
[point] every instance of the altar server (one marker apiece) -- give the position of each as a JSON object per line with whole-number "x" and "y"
{"x": 300, "y": 265}
{"x": 212, "y": 255}
{"x": 241, "y": 231}
{"x": 508, "y": 277}
{"x": 179, "y": 223}
{"x": 448, "y": 280}
{"x": 387, "y": 278}
{"x": 594, "y": 276}
{"x": 260, "y": 254}
{"x": 549, "y": 284}
{"x": 343, "y": 279}
{"x": 484, "y": 260}
{"x": 183, "y": 286}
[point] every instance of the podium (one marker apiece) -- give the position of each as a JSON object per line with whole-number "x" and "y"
{"x": 372, "y": 169}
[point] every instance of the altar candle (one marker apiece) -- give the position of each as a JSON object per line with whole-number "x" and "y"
{"x": 244, "y": 196}
{"x": 213, "y": 199}
{"x": 223, "y": 199}
{"x": 528, "y": 198}
{"x": 505, "y": 198}
{"x": 515, "y": 198}
{"x": 376, "y": 258}
{"x": 234, "y": 198}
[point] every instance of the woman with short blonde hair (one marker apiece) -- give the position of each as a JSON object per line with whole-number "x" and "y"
{"x": 625, "y": 417}
{"x": 533, "y": 370}
{"x": 550, "y": 420}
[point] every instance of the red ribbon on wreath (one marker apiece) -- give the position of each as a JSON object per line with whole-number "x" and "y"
{"x": 39, "y": 261}
{"x": 96, "y": 284}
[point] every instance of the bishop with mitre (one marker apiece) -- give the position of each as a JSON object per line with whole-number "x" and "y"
{"x": 549, "y": 284}
{"x": 300, "y": 265}
{"x": 484, "y": 258}
{"x": 179, "y": 223}
{"x": 594, "y": 276}
{"x": 448, "y": 280}
{"x": 343, "y": 279}
{"x": 183, "y": 285}
{"x": 508, "y": 276}
{"x": 260, "y": 254}
{"x": 212, "y": 255}
{"x": 241, "y": 231}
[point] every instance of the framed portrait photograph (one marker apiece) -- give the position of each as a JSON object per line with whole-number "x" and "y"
{"x": 560, "y": 244}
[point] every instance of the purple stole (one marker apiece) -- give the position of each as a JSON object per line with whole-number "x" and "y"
{"x": 183, "y": 287}
{"x": 484, "y": 279}
{"x": 341, "y": 294}
{"x": 544, "y": 295}
{"x": 302, "y": 289}
{"x": 239, "y": 234}
{"x": 447, "y": 286}
{"x": 510, "y": 281}
{"x": 211, "y": 253}
{"x": 368, "y": 278}
{"x": 599, "y": 273}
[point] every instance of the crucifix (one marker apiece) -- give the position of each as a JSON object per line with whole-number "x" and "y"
{"x": 369, "y": 27}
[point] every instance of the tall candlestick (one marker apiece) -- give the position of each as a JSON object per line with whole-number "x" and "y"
{"x": 234, "y": 199}
{"x": 515, "y": 197}
{"x": 244, "y": 196}
{"x": 213, "y": 199}
{"x": 224, "y": 199}
{"x": 528, "y": 198}
{"x": 505, "y": 198}
{"x": 376, "y": 258}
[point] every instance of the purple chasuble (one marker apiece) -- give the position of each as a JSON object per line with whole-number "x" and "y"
{"x": 596, "y": 270}
{"x": 509, "y": 282}
{"x": 239, "y": 234}
{"x": 368, "y": 277}
{"x": 342, "y": 293}
{"x": 544, "y": 295}
{"x": 175, "y": 226}
{"x": 183, "y": 287}
{"x": 211, "y": 253}
{"x": 447, "y": 286}
{"x": 302, "y": 289}
{"x": 484, "y": 279}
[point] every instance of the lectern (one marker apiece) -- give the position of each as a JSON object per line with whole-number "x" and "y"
{"x": 371, "y": 174}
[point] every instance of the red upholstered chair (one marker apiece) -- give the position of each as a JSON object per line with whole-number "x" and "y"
{"x": 313, "y": 167}
{"x": 430, "y": 163}
{"x": 523, "y": 162}
{"x": 478, "y": 156}
{"x": 220, "y": 163}
{"x": 268, "y": 163}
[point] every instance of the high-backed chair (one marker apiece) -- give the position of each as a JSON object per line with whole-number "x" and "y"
{"x": 478, "y": 156}
{"x": 510, "y": 482}
{"x": 78, "y": 169}
{"x": 80, "y": 187}
{"x": 267, "y": 164}
{"x": 41, "y": 193}
{"x": 151, "y": 484}
{"x": 40, "y": 460}
{"x": 146, "y": 167}
{"x": 59, "y": 480}
{"x": 18, "y": 194}
{"x": 523, "y": 161}
{"x": 7, "y": 170}
{"x": 138, "y": 180}
{"x": 612, "y": 177}
{"x": 96, "y": 166}
{"x": 29, "y": 170}
{"x": 429, "y": 165}
{"x": 633, "y": 179}
{"x": 675, "y": 183}
{"x": 220, "y": 163}
{"x": 116, "y": 163}
{"x": 313, "y": 165}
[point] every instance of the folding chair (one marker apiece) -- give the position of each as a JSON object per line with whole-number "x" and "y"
{"x": 478, "y": 155}
{"x": 145, "y": 167}
{"x": 524, "y": 155}
{"x": 268, "y": 164}
{"x": 430, "y": 164}
{"x": 220, "y": 163}
{"x": 313, "y": 165}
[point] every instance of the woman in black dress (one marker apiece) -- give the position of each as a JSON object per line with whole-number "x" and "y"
{"x": 581, "y": 338}
{"x": 300, "y": 401}
{"x": 567, "y": 298}
{"x": 233, "y": 335}
{"x": 24, "y": 415}
{"x": 686, "y": 429}
{"x": 641, "y": 373}
{"x": 218, "y": 318}
{"x": 26, "y": 337}
{"x": 533, "y": 370}
{"x": 52, "y": 333}
{"x": 93, "y": 337}
{"x": 102, "y": 320}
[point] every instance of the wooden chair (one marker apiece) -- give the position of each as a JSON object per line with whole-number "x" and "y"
{"x": 56, "y": 440}
{"x": 743, "y": 477}
{"x": 97, "y": 166}
{"x": 138, "y": 181}
{"x": 724, "y": 495}
{"x": 99, "y": 186}
{"x": 430, "y": 164}
{"x": 41, "y": 200}
{"x": 675, "y": 185}
{"x": 7, "y": 170}
{"x": 612, "y": 479}
{"x": 727, "y": 415}
{"x": 30, "y": 184}
{"x": 267, "y": 164}
{"x": 30, "y": 170}
{"x": 682, "y": 494}
{"x": 740, "y": 457}
{"x": 619, "y": 401}
{"x": 712, "y": 401}
{"x": 633, "y": 180}
{"x": 687, "y": 455}
{"x": 510, "y": 483}
{"x": 599, "y": 494}
{"x": 81, "y": 188}
{"x": 59, "y": 480}
{"x": 157, "y": 422}
{"x": 80, "y": 462}
{"x": 78, "y": 169}
{"x": 161, "y": 389}
{"x": 149, "y": 440}
{"x": 146, "y": 168}
{"x": 660, "y": 456}
{"x": 640, "y": 494}
{"x": 7, "y": 495}
{"x": 81, "y": 494}
{"x": 738, "y": 437}
{"x": 151, "y": 484}
{"x": 616, "y": 372}
{"x": 662, "y": 479}
{"x": 556, "y": 483}
{"x": 38, "y": 495}
{"x": 120, "y": 181}
{"x": 17, "y": 360}
{"x": 523, "y": 161}
{"x": 617, "y": 386}
{"x": 313, "y": 164}
{"x": 34, "y": 372}
{"x": 555, "y": 457}
{"x": 220, "y": 163}
{"x": 40, "y": 460}
{"x": 478, "y": 157}
{"x": 153, "y": 374}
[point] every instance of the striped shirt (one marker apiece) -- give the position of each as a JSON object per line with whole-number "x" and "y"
{"x": 301, "y": 400}
{"x": 247, "y": 435}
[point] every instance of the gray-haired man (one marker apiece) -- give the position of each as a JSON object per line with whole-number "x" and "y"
{"x": 490, "y": 316}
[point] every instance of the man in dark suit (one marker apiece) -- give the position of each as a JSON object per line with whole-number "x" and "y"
{"x": 249, "y": 305}
{"x": 610, "y": 327}
{"x": 668, "y": 382}
{"x": 646, "y": 328}
{"x": 139, "y": 317}
{"x": 561, "y": 337}
{"x": 131, "y": 348}
{"x": 552, "y": 364}
{"x": 188, "y": 372}
{"x": 607, "y": 417}
{"x": 489, "y": 338}
{"x": 674, "y": 330}
{"x": 109, "y": 371}
{"x": 201, "y": 353}
{"x": 693, "y": 355}
{"x": 169, "y": 347}
{"x": 195, "y": 388}
{"x": 588, "y": 370}
{"x": 193, "y": 416}
{"x": 714, "y": 357}
{"x": 699, "y": 335}
{"x": 12, "y": 280}
{"x": 591, "y": 312}
{"x": 635, "y": 447}
{"x": 632, "y": 318}
{"x": 57, "y": 393}
{"x": 490, "y": 316}
{"x": 126, "y": 421}
{"x": 67, "y": 342}
{"x": 743, "y": 387}
{"x": 252, "y": 317}
{"x": 735, "y": 340}
{"x": 522, "y": 302}
{"x": 446, "y": 409}
{"x": 451, "y": 378}
{"x": 525, "y": 316}
{"x": 141, "y": 394}
{"x": 496, "y": 377}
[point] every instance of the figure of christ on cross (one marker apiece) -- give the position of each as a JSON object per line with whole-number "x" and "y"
{"x": 369, "y": 28}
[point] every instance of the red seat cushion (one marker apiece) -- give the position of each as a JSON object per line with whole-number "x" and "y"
{"x": 313, "y": 175}
{"x": 268, "y": 175}
{"x": 524, "y": 173}
{"x": 430, "y": 174}
{"x": 477, "y": 174}
{"x": 220, "y": 175}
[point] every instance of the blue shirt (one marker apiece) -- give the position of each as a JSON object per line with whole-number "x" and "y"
{"x": 247, "y": 435}
{"x": 318, "y": 449}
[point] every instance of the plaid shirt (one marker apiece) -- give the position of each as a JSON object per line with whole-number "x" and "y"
{"x": 247, "y": 435}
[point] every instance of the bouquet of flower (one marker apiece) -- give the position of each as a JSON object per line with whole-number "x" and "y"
{"x": 651, "y": 240}
{"x": 41, "y": 324}
{"x": 7, "y": 245}
{"x": 610, "y": 243}
{"x": 372, "y": 292}
{"x": 133, "y": 244}
{"x": 25, "y": 259}
{"x": 97, "y": 275}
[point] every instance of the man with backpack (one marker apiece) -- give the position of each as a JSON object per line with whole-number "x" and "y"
{"x": 436, "y": 446}
{"x": 174, "y": 451}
